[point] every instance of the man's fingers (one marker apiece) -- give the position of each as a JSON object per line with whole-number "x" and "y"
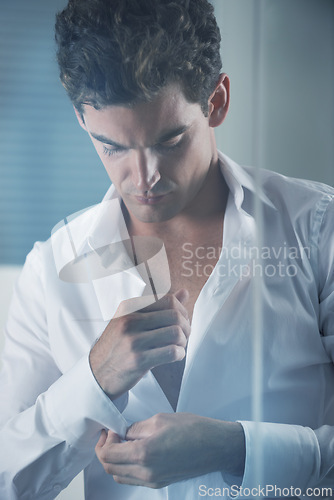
{"x": 132, "y": 305}
{"x": 147, "y": 304}
{"x": 164, "y": 355}
{"x": 103, "y": 445}
{"x": 182, "y": 295}
{"x": 113, "y": 438}
{"x": 134, "y": 343}
{"x": 161, "y": 337}
{"x": 115, "y": 451}
{"x": 102, "y": 439}
{"x": 139, "y": 430}
{"x": 107, "y": 437}
{"x": 160, "y": 319}
{"x": 170, "y": 301}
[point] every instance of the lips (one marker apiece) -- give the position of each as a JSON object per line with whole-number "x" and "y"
{"x": 150, "y": 200}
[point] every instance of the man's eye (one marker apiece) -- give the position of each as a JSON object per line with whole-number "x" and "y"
{"x": 169, "y": 145}
{"x": 112, "y": 151}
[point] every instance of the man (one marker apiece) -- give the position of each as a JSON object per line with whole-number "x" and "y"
{"x": 162, "y": 386}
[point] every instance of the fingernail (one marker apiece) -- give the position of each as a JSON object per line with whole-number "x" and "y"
{"x": 180, "y": 353}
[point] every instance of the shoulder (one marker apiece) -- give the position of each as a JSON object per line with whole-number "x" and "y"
{"x": 291, "y": 193}
{"x": 301, "y": 210}
{"x": 84, "y": 233}
{"x": 68, "y": 239}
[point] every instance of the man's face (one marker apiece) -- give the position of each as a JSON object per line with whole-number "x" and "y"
{"x": 156, "y": 154}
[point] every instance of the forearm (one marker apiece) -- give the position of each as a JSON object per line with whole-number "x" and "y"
{"x": 50, "y": 442}
{"x": 221, "y": 446}
{"x": 34, "y": 464}
{"x": 228, "y": 444}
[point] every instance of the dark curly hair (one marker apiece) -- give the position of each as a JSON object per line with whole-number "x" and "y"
{"x": 124, "y": 51}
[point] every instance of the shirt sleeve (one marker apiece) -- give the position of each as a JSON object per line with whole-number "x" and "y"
{"x": 294, "y": 456}
{"x": 49, "y": 421}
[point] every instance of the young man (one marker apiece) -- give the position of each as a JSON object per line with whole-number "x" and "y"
{"x": 162, "y": 387}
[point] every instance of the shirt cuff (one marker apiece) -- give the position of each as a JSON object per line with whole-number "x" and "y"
{"x": 79, "y": 409}
{"x": 289, "y": 454}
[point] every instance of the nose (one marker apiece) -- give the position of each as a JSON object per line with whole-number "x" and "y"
{"x": 145, "y": 171}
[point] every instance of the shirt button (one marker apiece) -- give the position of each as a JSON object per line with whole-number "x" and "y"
{"x": 57, "y": 488}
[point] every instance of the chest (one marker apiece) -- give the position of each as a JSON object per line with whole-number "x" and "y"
{"x": 190, "y": 268}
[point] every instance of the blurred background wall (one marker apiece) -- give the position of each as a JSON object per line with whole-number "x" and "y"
{"x": 285, "y": 90}
{"x": 48, "y": 169}
{"x": 279, "y": 55}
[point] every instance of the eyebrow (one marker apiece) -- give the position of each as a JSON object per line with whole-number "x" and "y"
{"x": 170, "y": 134}
{"x": 105, "y": 140}
{"x": 165, "y": 136}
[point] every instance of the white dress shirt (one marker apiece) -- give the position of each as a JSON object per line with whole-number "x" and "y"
{"x": 52, "y": 409}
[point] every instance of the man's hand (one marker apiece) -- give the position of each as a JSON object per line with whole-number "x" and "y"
{"x": 172, "y": 447}
{"x": 132, "y": 344}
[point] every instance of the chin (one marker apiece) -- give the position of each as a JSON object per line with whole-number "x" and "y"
{"x": 154, "y": 214}
{"x": 153, "y": 217}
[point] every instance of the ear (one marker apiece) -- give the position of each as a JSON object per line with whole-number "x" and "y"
{"x": 80, "y": 118}
{"x": 219, "y": 101}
